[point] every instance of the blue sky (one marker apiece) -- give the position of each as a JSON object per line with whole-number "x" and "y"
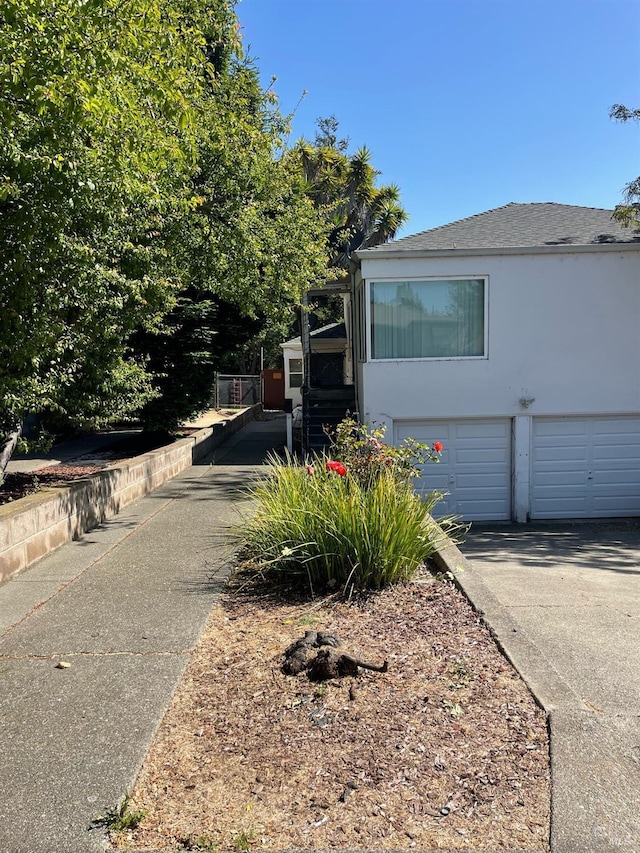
{"x": 465, "y": 104}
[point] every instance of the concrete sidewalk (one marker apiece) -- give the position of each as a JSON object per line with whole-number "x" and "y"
{"x": 564, "y": 602}
{"x": 124, "y": 606}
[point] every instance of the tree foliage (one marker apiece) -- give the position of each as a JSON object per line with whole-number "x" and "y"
{"x": 358, "y": 213}
{"x": 249, "y": 249}
{"x": 97, "y": 114}
{"x": 628, "y": 213}
{"x": 139, "y": 183}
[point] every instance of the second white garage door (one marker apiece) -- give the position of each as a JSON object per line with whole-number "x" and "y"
{"x": 585, "y": 467}
{"x": 475, "y": 466}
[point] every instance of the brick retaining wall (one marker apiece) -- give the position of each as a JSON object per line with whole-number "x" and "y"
{"x": 32, "y": 527}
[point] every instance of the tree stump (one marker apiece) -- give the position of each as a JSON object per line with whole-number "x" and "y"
{"x": 326, "y": 664}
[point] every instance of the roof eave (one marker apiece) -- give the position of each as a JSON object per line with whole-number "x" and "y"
{"x": 559, "y": 249}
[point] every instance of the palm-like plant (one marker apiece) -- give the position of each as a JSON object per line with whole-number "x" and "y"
{"x": 359, "y": 214}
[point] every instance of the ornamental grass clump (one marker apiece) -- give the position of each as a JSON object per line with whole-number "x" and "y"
{"x": 343, "y": 520}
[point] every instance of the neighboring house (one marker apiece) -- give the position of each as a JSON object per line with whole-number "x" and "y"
{"x": 513, "y": 337}
{"x": 327, "y": 393}
{"x": 330, "y": 361}
{"x": 293, "y": 370}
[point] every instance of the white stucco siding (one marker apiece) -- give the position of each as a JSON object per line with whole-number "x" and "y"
{"x": 563, "y": 329}
{"x": 291, "y": 352}
{"x": 359, "y": 336}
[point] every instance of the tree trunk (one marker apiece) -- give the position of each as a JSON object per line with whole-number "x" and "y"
{"x": 8, "y": 447}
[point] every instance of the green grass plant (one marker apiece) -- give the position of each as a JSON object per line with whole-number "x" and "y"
{"x": 120, "y": 818}
{"x": 332, "y": 530}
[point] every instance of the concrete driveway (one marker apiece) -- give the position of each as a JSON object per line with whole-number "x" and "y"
{"x": 564, "y": 602}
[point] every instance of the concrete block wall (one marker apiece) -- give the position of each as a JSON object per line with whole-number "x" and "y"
{"x": 32, "y": 527}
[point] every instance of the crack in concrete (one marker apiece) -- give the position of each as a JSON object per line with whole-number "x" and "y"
{"x": 543, "y": 606}
{"x": 69, "y": 655}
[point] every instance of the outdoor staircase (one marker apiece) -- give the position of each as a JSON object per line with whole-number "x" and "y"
{"x": 325, "y": 408}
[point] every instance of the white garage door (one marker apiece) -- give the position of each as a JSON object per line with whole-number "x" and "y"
{"x": 474, "y": 469}
{"x": 585, "y": 467}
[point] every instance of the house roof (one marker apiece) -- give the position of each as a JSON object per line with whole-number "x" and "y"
{"x": 518, "y": 226}
{"x": 333, "y": 330}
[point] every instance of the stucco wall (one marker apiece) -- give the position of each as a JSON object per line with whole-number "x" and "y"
{"x": 289, "y": 352}
{"x": 562, "y": 328}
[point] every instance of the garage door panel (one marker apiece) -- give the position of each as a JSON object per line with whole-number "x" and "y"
{"x": 559, "y": 507}
{"x": 474, "y": 468}
{"x": 560, "y": 468}
{"x": 481, "y": 456}
{"x": 480, "y": 481}
{"x": 604, "y": 425}
{"x": 611, "y": 452}
{"x": 560, "y": 479}
{"x": 560, "y": 453}
{"x": 558, "y": 428}
{"x": 619, "y": 505}
{"x": 617, "y": 477}
{"x": 431, "y": 480}
{"x": 427, "y": 433}
{"x": 479, "y": 430}
{"x": 615, "y": 465}
{"x": 596, "y": 474}
{"x": 468, "y": 509}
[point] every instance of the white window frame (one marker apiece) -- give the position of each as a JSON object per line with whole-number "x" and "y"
{"x": 417, "y": 278}
{"x": 360, "y": 304}
{"x": 299, "y": 373}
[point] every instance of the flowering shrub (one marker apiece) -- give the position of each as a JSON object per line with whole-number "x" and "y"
{"x": 366, "y": 456}
{"x": 353, "y": 519}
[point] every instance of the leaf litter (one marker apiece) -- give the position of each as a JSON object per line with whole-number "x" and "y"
{"x": 445, "y": 750}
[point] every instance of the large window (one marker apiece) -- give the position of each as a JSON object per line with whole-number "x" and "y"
{"x": 428, "y": 319}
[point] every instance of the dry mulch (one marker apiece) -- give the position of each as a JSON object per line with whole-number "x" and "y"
{"x": 18, "y": 485}
{"x": 447, "y": 749}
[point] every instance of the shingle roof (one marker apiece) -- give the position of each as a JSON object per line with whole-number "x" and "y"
{"x": 519, "y": 226}
{"x": 333, "y": 330}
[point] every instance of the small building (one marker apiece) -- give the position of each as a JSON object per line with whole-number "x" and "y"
{"x": 330, "y": 360}
{"x": 319, "y": 368}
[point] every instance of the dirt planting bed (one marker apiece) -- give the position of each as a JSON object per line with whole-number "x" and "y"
{"x": 446, "y": 749}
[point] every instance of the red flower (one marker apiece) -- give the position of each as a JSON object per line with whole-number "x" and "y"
{"x": 309, "y": 469}
{"x": 338, "y": 467}
{"x": 438, "y": 446}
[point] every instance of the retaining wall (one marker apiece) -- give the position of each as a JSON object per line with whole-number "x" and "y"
{"x": 32, "y": 527}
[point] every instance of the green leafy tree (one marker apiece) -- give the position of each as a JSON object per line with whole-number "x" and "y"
{"x": 628, "y": 213}
{"x": 249, "y": 249}
{"x": 98, "y": 108}
{"x": 137, "y": 182}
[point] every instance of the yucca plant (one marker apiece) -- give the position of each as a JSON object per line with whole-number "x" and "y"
{"x": 320, "y": 524}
